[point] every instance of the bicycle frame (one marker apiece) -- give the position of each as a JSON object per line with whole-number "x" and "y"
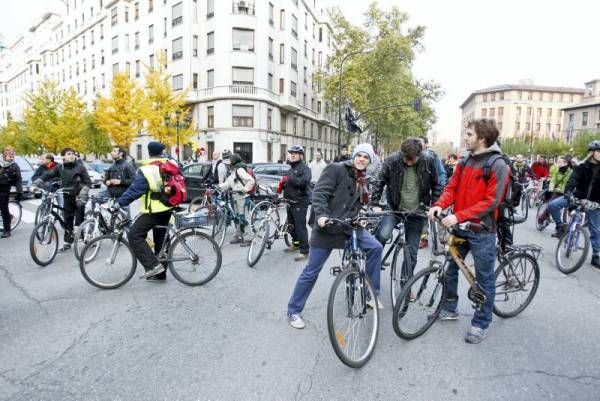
{"x": 577, "y": 218}
{"x": 171, "y": 235}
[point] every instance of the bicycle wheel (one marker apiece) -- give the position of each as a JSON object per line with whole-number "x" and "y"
{"x": 87, "y": 231}
{"x": 194, "y": 258}
{"x": 532, "y": 198}
{"x": 15, "y": 211}
{"x": 517, "y": 280}
{"x": 259, "y": 212}
{"x": 197, "y": 203}
{"x": 259, "y": 243}
{"x": 419, "y": 303}
{"x": 42, "y": 211}
{"x": 112, "y": 265}
{"x": 399, "y": 273}
{"x": 572, "y": 250}
{"x": 219, "y": 228}
{"x": 540, "y": 224}
{"x": 352, "y": 325}
{"x": 43, "y": 243}
{"x": 525, "y": 207}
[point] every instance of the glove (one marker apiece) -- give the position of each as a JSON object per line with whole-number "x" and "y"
{"x": 282, "y": 183}
{"x": 18, "y": 196}
{"x": 114, "y": 208}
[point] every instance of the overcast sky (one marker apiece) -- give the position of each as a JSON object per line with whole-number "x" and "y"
{"x": 469, "y": 44}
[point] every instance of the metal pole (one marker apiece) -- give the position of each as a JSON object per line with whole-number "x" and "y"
{"x": 177, "y": 131}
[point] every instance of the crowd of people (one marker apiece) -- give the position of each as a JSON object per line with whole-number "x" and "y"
{"x": 412, "y": 179}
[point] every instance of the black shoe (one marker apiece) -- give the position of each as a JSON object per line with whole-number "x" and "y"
{"x": 560, "y": 230}
{"x": 596, "y": 261}
{"x": 153, "y": 272}
{"x": 66, "y": 247}
{"x": 5, "y": 234}
{"x": 156, "y": 279}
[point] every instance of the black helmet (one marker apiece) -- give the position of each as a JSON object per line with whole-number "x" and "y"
{"x": 296, "y": 149}
{"x": 226, "y": 154}
{"x": 594, "y": 145}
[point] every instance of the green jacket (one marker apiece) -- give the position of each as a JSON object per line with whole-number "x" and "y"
{"x": 558, "y": 180}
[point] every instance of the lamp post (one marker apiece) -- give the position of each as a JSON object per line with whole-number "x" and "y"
{"x": 177, "y": 124}
{"x": 340, "y": 93}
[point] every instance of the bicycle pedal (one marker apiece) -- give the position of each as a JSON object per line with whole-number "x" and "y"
{"x": 335, "y": 270}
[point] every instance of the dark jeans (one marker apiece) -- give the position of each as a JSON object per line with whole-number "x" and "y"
{"x": 72, "y": 212}
{"x": 483, "y": 247}
{"x": 317, "y": 258}
{"x": 138, "y": 233}
{"x": 413, "y": 227}
{"x": 297, "y": 217}
{"x": 4, "y": 210}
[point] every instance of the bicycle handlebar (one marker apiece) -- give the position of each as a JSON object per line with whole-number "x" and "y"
{"x": 467, "y": 225}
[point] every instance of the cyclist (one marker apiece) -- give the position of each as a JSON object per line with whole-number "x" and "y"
{"x": 147, "y": 185}
{"x": 119, "y": 175}
{"x": 218, "y": 171}
{"x": 240, "y": 182}
{"x": 524, "y": 172}
{"x": 76, "y": 182}
{"x": 559, "y": 177}
{"x": 541, "y": 170}
{"x": 584, "y": 183}
{"x": 411, "y": 179}
{"x": 47, "y": 163}
{"x": 296, "y": 187}
{"x": 477, "y": 200}
{"x": 10, "y": 175}
{"x": 343, "y": 156}
{"x": 338, "y": 194}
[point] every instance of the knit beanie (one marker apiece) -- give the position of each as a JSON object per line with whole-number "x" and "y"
{"x": 155, "y": 148}
{"x": 364, "y": 148}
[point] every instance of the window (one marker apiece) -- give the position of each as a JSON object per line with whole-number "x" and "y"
{"x": 165, "y": 27}
{"x": 305, "y": 49}
{"x": 271, "y": 14}
{"x": 177, "y": 48}
{"x": 501, "y": 96}
{"x": 282, "y": 122}
{"x": 305, "y": 75}
{"x": 210, "y": 43}
{"x": 127, "y": 42}
{"x": 151, "y": 34}
{"x": 113, "y": 16}
{"x": 294, "y": 59}
{"x": 210, "y": 114}
{"x": 518, "y": 111}
{"x": 195, "y": 80}
{"x": 549, "y": 113}
{"x": 115, "y": 44}
{"x": 136, "y": 10}
{"x": 500, "y": 112}
{"x": 548, "y": 127}
{"x": 210, "y": 8}
{"x": 195, "y": 46}
{"x": 92, "y": 36}
{"x": 150, "y": 5}
{"x": 293, "y": 88}
{"x": 115, "y": 68}
{"x": 177, "y": 14}
{"x": 243, "y": 116}
{"x": 584, "y": 119}
{"x": 210, "y": 78}
{"x": 294, "y": 26}
{"x": 137, "y": 68}
{"x": 101, "y": 57}
{"x": 270, "y": 82}
{"x": 128, "y": 68}
{"x": 269, "y": 118}
{"x": 295, "y": 126}
{"x": 243, "y": 39}
{"x": 281, "y": 53}
{"x": 178, "y": 82}
{"x": 243, "y": 76}
{"x": 151, "y": 61}
{"x": 281, "y": 86}
{"x": 303, "y": 127}
{"x": 320, "y": 59}
{"x": 271, "y": 49}
{"x": 282, "y": 19}
{"x": 126, "y": 14}
{"x": 93, "y": 62}
{"x": 304, "y": 100}
{"x": 83, "y": 42}
{"x": 101, "y": 31}
{"x": 136, "y": 38}
{"x": 103, "y": 81}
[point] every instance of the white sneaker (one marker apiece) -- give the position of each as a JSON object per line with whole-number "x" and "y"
{"x": 296, "y": 321}
{"x": 371, "y": 303}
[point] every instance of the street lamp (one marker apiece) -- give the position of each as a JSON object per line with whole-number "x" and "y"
{"x": 340, "y": 93}
{"x": 177, "y": 123}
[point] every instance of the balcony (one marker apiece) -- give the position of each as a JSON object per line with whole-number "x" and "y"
{"x": 229, "y": 91}
{"x": 289, "y": 103}
{"x": 243, "y": 7}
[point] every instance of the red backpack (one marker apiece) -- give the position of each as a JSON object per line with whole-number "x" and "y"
{"x": 251, "y": 172}
{"x": 174, "y": 190}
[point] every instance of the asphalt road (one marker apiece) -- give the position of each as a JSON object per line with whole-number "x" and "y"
{"x": 63, "y": 339}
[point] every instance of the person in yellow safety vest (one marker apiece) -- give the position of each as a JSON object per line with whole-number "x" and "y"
{"x": 146, "y": 186}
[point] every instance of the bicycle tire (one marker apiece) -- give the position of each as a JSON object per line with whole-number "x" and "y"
{"x": 105, "y": 256}
{"x": 15, "y": 212}
{"x": 202, "y": 246}
{"x": 352, "y": 281}
{"x": 196, "y": 203}
{"x": 287, "y": 237}
{"x": 399, "y": 274}
{"x": 44, "y": 233}
{"x": 41, "y": 212}
{"x": 532, "y": 200}
{"x": 86, "y": 231}
{"x": 565, "y": 246}
{"x": 512, "y": 277}
{"x": 258, "y": 244}
{"x": 540, "y": 226}
{"x": 420, "y": 291}
{"x": 219, "y": 229}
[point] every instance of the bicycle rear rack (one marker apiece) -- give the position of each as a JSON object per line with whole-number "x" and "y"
{"x": 530, "y": 249}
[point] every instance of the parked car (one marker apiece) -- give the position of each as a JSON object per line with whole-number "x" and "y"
{"x": 26, "y": 174}
{"x": 96, "y": 178}
{"x": 269, "y": 174}
{"x": 194, "y": 175}
{"x": 99, "y": 166}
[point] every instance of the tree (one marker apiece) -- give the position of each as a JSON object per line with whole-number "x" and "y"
{"x": 382, "y": 77}
{"x": 514, "y": 146}
{"x": 121, "y": 115}
{"x": 161, "y": 102}
{"x": 581, "y": 143}
{"x": 42, "y": 114}
{"x": 14, "y": 134}
{"x": 550, "y": 148}
{"x": 71, "y": 120}
{"x": 94, "y": 140}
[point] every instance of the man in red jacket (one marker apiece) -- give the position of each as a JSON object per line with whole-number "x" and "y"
{"x": 475, "y": 199}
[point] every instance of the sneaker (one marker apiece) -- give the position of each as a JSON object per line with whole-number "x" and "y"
{"x": 301, "y": 257}
{"x": 475, "y": 335}
{"x": 291, "y": 248}
{"x": 153, "y": 272}
{"x": 155, "y": 279}
{"x": 560, "y": 230}
{"x": 596, "y": 261}
{"x": 66, "y": 247}
{"x": 5, "y": 234}
{"x": 371, "y": 303}
{"x": 296, "y": 321}
{"x": 423, "y": 243}
{"x": 237, "y": 240}
{"x": 447, "y": 315}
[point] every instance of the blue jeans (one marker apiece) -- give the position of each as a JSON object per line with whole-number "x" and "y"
{"x": 483, "y": 247}
{"x": 555, "y": 206}
{"x": 593, "y": 217}
{"x": 317, "y": 258}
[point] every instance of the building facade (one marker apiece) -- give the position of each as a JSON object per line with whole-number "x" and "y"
{"x": 521, "y": 110}
{"x": 584, "y": 116}
{"x": 247, "y": 65}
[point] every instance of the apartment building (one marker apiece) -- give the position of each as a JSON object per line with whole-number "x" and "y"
{"x": 248, "y": 66}
{"x": 521, "y": 110}
{"x": 584, "y": 116}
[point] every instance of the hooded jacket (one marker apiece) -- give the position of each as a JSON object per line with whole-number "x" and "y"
{"x": 297, "y": 188}
{"x": 584, "y": 182}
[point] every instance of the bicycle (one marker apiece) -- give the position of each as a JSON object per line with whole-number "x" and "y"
{"x": 205, "y": 198}
{"x": 574, "y": 245}
{"x": 192, "y": 257}
{"x": 224, "y": 215}
{"x": 543, "y": 218}
{"x": 269, "y": 223}
{"x": 15, "y": 210}
{"x": 352, "y": 323}
{"x": 420, "y": 302}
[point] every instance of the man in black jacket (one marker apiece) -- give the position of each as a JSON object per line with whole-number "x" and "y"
{"x": 411, "y": 180}
{"x": 296, "y": 187}
{"x": 339, "y": 193}
{"x": 10, "y": 175}
{"x": 343, "y": 156}
{"x": 76, "y": 183}
{"x": 120, "y": 174}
